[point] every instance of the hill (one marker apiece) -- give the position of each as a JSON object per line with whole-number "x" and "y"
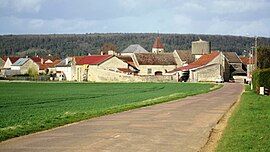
{"x": 63, "y": 45}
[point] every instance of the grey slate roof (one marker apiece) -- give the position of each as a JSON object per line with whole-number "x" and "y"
{"x": 232, "y": 57}
{"x": 20, "y": 61}
{"x": 65, "y": 62}
{"x": 135, "y": 48}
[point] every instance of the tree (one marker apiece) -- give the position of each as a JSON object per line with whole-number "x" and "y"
{"x": 33, "y": 73}
{"x": 107, "y": 47}
{"x": 263, "y": 57}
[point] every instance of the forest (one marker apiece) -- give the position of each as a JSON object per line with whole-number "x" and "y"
{"x": 63, "y": 45}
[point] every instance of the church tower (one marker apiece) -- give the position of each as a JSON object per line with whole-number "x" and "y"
{"x": 158, "y": 46}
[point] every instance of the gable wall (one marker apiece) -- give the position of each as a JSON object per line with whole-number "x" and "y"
{"x": 7, "y": 64}
{"x": 207, "y": 74}
{"x": 113, "y": 63}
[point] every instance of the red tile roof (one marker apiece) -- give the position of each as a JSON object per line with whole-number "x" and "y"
{"x": 47, "y": 65}
{"x": 36, "y": 59}
{"x": 158, "y": 44}
{"x": 232, "y": 57}
{"x": 13, "y": 59}
{"x": 4, "y": 58}
{"x": 92, "y": 59}
{"x": 203, "y": 60}
{"x": 247, "y": 60}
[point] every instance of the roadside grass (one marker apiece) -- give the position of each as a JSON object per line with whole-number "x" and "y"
{"x": 30, "y": 107}
{"x": 248, "y": 128}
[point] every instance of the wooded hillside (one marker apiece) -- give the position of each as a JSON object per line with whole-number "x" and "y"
{"x": 63, "y": 45}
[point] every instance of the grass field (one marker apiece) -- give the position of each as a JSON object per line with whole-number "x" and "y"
{"x": 30, "y": 107}
{"x": 249, "y": 127}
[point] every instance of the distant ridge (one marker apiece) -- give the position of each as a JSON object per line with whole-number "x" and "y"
{"x": 63, "y": 45}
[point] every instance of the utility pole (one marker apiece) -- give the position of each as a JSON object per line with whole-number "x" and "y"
{"x": 256, "y": 45}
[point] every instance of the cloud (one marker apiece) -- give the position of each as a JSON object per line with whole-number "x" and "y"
{"x": 32, "y": 26}
{"x": 236, "y": 6}
{"x": 169, "y": 16}
{"x": 22, "y": 5}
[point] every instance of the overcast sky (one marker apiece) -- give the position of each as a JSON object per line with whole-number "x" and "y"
{"x": 236, "y": 17}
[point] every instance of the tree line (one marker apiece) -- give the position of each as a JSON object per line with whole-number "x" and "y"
{"x": 63, "y": 45}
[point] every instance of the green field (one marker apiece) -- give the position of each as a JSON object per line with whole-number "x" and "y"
{"x": 30, "y": 107}
{"x": 249, "y": 127}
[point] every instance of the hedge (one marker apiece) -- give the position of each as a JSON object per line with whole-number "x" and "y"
{"x": 261, "y": 78}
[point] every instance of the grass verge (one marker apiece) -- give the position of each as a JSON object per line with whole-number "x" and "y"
{"x": 248, "y": 128}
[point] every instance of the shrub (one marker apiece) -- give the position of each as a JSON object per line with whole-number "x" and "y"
{"x": 33, "y": 73}
{"x": 261, "y": 78}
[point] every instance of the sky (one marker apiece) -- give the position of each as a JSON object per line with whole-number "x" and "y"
{"x": 226, "y": 17}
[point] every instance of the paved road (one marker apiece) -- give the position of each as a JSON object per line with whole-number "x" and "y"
{"x": 174, "y": 126}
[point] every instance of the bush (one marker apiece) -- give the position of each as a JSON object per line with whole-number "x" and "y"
{"x": 33, "y": 73}
{"x": 261, "y": 78}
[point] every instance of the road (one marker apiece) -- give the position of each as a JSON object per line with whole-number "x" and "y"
{"x": 182, "y": 125}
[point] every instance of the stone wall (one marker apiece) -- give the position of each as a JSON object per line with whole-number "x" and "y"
{"x": 154, "y": 68}
{"x": 97, "y": 74}
{"x": 206, "y": 74}
{"x": 225, "y": 67}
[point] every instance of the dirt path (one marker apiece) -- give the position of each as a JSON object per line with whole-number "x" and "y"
{"x": 174, "y": 126}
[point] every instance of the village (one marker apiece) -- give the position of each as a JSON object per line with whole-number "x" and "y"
{"x": 135, "y": 64}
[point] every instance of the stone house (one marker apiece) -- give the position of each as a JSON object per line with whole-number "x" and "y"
{"x": 67, "y": 68}
{"x": 154, "y": 64}
{"x": 209, "y": 67}
{"x": 8, "y": 61}
{"x": 23, "y": 65}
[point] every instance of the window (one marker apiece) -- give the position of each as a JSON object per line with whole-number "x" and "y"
{"x": 149, "y": 71}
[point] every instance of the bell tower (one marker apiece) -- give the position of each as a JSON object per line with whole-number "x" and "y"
{"x": 158, "y": 47}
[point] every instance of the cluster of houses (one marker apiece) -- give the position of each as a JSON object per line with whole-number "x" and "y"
{"x": 135, "y": 64}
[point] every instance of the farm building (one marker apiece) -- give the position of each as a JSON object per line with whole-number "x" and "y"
{"x": 209, "y": 67}
{"x": 67, "y": 68}
{"x": 154, "y": 64}
{"x": 236, "y": 66}
{"x": 93, "y": 67}
{"x": 9, "y": 61}
{"x": 7, "y": 65}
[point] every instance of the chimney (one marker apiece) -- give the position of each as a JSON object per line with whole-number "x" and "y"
{"x": 66, "y": 61}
